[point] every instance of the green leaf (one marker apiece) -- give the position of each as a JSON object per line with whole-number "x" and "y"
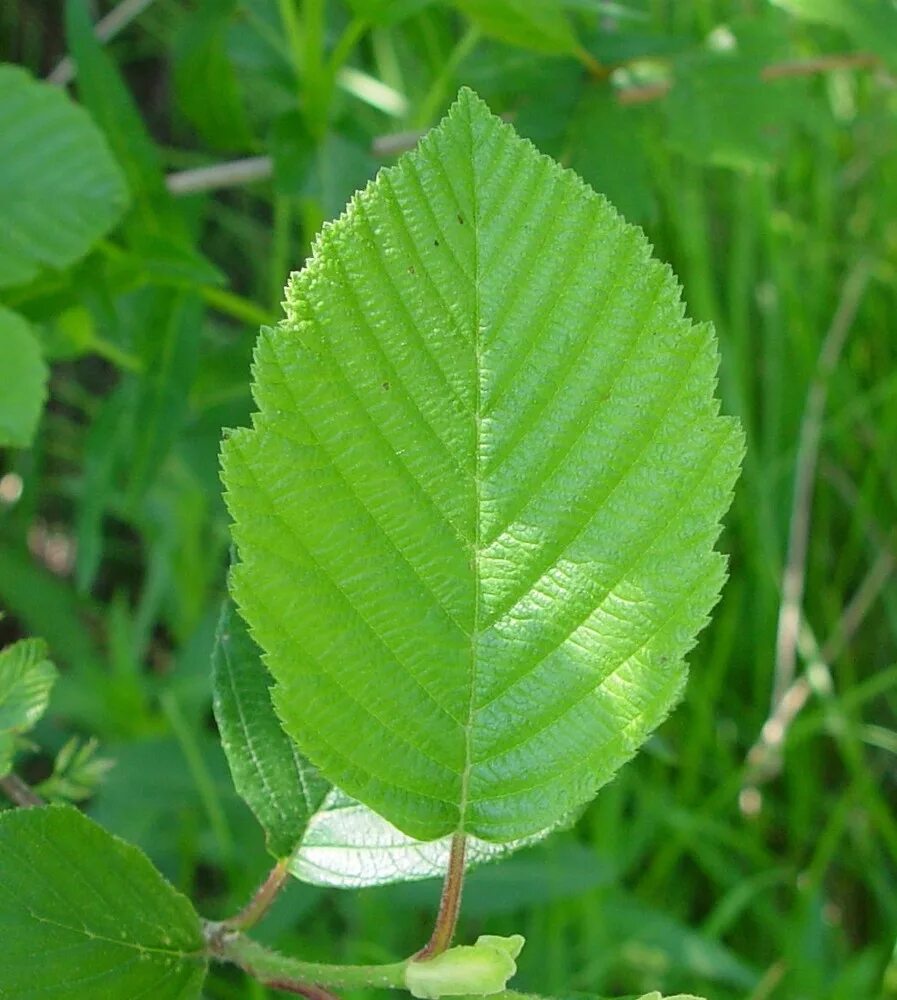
{"x": 170, "y": 336}
{"x": 26, "y": 679}
{"x": 476, "y": 510}
{"x": 608, "y": 150}
{"x": 277, "y": 783}
{"x": 721, "y": 112}
{"x": 24, "y": 378}
{"x": 103, "y": 91}
{"x": 83, "y": 914}
{"x": 335, "y": 841}
{"x": 208, "y": 93}
{"x": 870, "y": 23}
{"x": 540, "y": 25}
{"x": 388, "y": 11}
{"x": 60, "y": 188}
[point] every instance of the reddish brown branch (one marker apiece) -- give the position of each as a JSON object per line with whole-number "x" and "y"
{"x": 300, "y": 989}
{"x": 450, "y": 903}
{"x": 776, "y": 71}
{"x": 19, "y": 793}
{"x": 261, "y": 902}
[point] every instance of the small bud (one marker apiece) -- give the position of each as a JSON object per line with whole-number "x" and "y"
{"x": 482, "y": 969}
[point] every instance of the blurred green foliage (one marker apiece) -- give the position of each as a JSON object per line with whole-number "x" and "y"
{"x": 147, "y": 226}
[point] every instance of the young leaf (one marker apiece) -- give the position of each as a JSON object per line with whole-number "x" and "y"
{"x": 60, "y": 188}
{"x": 24, "y": 386}
{"x": 281, "y": 788}
{"x": 476, "y": 510}
{"x": 84, "y": 914}
{"x": 26, "y": 679}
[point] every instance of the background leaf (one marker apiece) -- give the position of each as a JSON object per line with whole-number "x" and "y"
{"x": 206, "y": 84}
{"x": 60, "y": 188}
{"x": 871, "y": 23}
{"x": 26, "y": 679}
{"x": 103, "y": 921}
{"x": 281, "y": 788}
{"x": 488, "y": 457}
{"x": 541, "y": 25}
{"x": 24, "y": 379}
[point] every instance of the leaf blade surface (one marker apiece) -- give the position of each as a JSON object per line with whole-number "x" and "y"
{"x": 60, "y": 188}
{"x": 103, "y": 921}
{"x": 476, "y": 510}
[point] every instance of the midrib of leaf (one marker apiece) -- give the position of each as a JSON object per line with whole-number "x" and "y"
{"x": 477, "y": 438}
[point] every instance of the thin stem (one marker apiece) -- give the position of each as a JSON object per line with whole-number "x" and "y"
{"x": 314, "y": 69}
{"x": 106, "y": 28}
{"x": 236, "y": 306}
{"x": 285, "y": 972}
{"x": 261, "y": 902}
{"x": 804, "y": 479}
{"x": 220, "y": 175}
{"x": 821, "y": 64}
{"x": 19, "y": 793}
{"x": 450, "y": 903}
{"x": 775, "y": 71}
{"x": 202, "y": 779}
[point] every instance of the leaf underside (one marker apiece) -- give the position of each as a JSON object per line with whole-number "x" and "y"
{"x": 346, "y": 845}
{"x": 476, "y": 511}
{"x": 281, "y": 788}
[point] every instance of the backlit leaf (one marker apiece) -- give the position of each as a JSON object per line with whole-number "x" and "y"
{"x": 26, "y": 679}
{"x": 476, "y": 510}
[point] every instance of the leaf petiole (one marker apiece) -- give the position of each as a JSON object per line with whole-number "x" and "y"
{"x": 261, "y": 902}
{"x": 450, "y": 903}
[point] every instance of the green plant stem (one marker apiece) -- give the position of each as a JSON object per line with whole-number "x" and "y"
{"x": 436, "y": 96}
{"x": 236, "y": 306}
{"x": 261, "y": 902}
{"x": 314, "y": 70}
{"x": 202, "y": 779}
{"x": 347, "y": 41}
{"x": 450, "y": 903}
{"x": 272, "y": 968}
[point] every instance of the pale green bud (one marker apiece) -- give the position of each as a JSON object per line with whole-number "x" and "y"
{"x": 482, "y": 968}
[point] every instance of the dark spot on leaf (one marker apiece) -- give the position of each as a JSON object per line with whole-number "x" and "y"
{"x": 435, "y": 243}
{"x": 386, "y": 386}
{"x": 411, "y": 269}
{"x": 461, "y": 218}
